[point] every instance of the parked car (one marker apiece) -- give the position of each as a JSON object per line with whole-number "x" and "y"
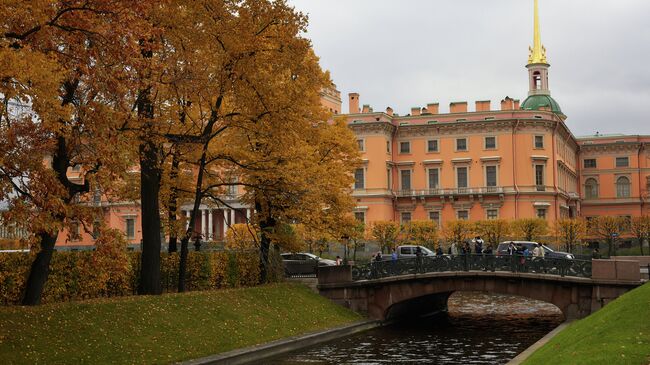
{"x": 303, "y": 263}
{"x": 502, "y": 249}
{"x": 408, "y": 251}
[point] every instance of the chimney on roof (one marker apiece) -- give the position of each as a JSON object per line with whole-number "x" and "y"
{"x": 433, "y": 108}
{"x": 366, "y": 108}
{"x": 483, "y": 106}
{"x": 507, "y": 104}
{"x": 517, "y": 104}
{"x": 458, "y": 107}
{"x": 389, "y": 111}
{"x": 415, "y": 110}
{"x": 354, "y": 103}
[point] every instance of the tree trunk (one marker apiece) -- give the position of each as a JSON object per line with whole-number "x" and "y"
{"x": 150, "y": 174}
{"x": 172, "y": 204}
{"x": 182, "y": 264}
{"x": 266, "y": 223}
{"x": 40, "y": 270}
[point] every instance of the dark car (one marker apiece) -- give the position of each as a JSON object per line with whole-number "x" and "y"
{"x": 303, "y": 263}
{"x": 502, "y": 249}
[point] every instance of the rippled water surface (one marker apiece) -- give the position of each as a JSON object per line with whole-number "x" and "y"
{"x": 479, "y": 329}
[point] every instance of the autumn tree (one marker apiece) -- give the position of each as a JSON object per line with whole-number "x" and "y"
{"x": 385, "y": 233}
{"x": 352, "y": 233}
{"x": 66, "y": 65}
{"x": 423, "y": 233}
{"x": 607, "y": 229}
{"x": 241, "y": 237}
{"x": 571, "y": 231}
{"x": 458, "y": 231}
{"x": 529, "y": 229}
{"x": 493, "y": 231}
{"x": 640, "y": 228}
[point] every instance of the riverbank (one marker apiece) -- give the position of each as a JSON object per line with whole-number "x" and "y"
{"x": 619, "y": 333}
{"x": 163, "y": 329}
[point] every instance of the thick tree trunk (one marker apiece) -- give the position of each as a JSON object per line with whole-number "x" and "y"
{"x": 40, "y": 270}
{"x": 151, "y": 244}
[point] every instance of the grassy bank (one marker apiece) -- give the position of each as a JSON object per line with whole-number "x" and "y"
{"x": 617, "y": 334}
{"x": 162, "y": 329}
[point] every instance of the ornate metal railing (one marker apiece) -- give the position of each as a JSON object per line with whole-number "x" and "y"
{"x": 449, "y": 263}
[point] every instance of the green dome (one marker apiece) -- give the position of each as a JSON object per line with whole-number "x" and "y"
{"x": 537, "y": 102}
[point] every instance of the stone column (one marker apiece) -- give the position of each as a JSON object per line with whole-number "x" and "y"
{"x": 203, "y": 225}
{"x": 210, "y": 230}
{"x": 187, "y": 222}
{"x": 248, "y": 214}
{"x": 232, "y": 217}
{"x": 225, "y": 222}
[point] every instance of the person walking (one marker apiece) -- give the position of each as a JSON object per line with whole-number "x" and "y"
{"x": 393, "y": 256}
{"x": 454, "y": 249}
{"x": 478, "y": 245}
{"x": 439, "y": 251}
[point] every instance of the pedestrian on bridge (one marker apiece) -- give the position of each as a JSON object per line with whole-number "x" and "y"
{"x": 454, "y": 249}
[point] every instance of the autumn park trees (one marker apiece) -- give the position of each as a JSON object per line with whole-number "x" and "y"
{"x": 199, "y": 96}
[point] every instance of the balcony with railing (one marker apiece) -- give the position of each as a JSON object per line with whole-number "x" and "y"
{"x": 488, "y": 190}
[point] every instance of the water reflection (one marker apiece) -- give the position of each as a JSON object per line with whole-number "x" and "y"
{"x": 479, "y": 329}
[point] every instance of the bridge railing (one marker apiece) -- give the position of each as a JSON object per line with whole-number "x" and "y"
{"x": 449, "y": 263}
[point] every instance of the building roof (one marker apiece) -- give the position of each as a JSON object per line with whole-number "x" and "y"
{"x": 541, "y": 102}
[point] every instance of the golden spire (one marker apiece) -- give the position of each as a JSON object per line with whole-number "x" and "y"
{"x": 537, "y": 52}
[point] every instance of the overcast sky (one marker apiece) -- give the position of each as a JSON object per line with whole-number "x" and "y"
{"x": 409, "y": 52}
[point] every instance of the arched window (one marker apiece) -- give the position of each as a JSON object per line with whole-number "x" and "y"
{"x": 591, "y": 188}
{"x": 537, "y": 78}
{"x": 623, "y": 187}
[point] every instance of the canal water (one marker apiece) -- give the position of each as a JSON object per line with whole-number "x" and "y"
{"x": 479, "y": 328}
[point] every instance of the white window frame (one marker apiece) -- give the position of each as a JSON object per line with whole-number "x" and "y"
{"x": 364, "y": 179}
{"x": 437, "y": 140}
{"x": 400, "y": 148}
{"x": 485, "y": 181}
{"x": 597, "y": 188}
{"x": 535, "y": 142}
{"x": 439, "y": 220}
{"x": 496, "y": 143}
{"x": 487, "y": 216}
{"x": 456, "y": 176}
{"x": 462, "y": 210}
{"x": 429, "y": 180}
{"x": 410, "y": 179}
{"x": 466, "y": 144}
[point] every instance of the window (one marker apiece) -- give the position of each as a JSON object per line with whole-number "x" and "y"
{"x": 622, "y": 187}
{"x": 361, "y": 144}
{"x": 432, "y": 145}
{"x": 622, "y": 162}
{"x": 647, "y": 184}
{"x": 405, "y": 147}
{"x": 434, "y": 178}
{"x": 74, "y": 231}
{"x": 359, "y": 182}
{"x": 130, "y": 228}
{"x": 491, "y": 176}
{"x": 461, "y": 177}
{"x": 435, "y": 216}
{"x": 406, "y": 217}
{"x": 541, "y": 213}
{"x": 461, "y": 144}
{"x": 539, "y": 178}
{"x": 492, "y": 214}
{"x": 590, "y": 163}
{"x": 360, "y": 217}
{"x": 591, "y": 188}
{"x": 387, "y": 146}
{"x": 405, "y": 179}
{"x": 463, "y": 215}
{"x": 539, "y": 142}
{"x": 95, "y": 233}
{"x": 490, "y": 143}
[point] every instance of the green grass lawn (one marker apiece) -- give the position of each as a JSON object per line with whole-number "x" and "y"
{"x": 162, "y": 329}
{"x": 617, "y": 334}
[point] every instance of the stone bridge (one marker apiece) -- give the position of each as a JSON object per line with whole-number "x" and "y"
{"x": 417, "y": 293}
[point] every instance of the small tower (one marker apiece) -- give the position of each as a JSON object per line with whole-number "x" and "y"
{"x": 539, "y": 95}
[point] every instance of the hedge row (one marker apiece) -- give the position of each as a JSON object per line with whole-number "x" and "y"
{"x": 92, "y": 274}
